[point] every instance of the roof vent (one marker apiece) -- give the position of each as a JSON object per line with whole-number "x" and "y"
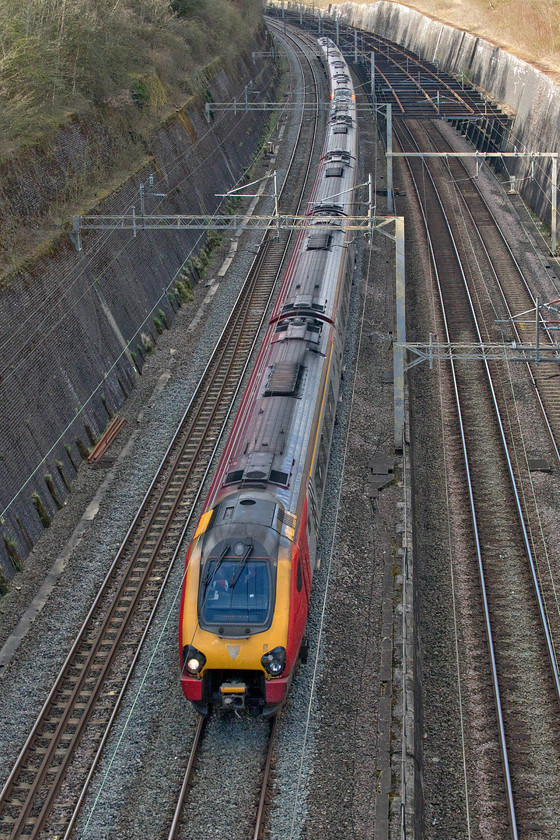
{"x": 284, "y": 379}
{"x": 319, "y": 242}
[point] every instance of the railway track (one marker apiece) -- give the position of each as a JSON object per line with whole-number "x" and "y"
{"x": 510, "y": 294}
{"x": 50, "y": 778}
{"x": 413, "y": 86}
{"x": 203, "y": 783}
{"x": 499, "y": 291}
{"x": 265, "y": 753}
{"x": 503, "y": 580}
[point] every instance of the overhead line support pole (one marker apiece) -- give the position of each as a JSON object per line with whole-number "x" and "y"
{"x": 399, "y": 345}
{"x": 389, "y": 158}
{"x": 370, "y": 203}
{"x": 276, "y": 210}
{"x": 537, "y": 330}
{"x": 553, "y": 221}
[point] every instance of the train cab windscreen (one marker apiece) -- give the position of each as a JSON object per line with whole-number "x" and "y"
{"x": 235, "y": 593}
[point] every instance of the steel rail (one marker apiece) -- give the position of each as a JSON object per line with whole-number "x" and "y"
{"x": 100, "y": 636}
{"x": 201, "y": 484}
{"x": 130, "y": 530}
{"x": 421, "y": 65}
{"x": 474, "y": 518}
{"x": 259, "y": 819}
{"x": 527, "y": 541}
{"x": 105, "y": 628}
{"x": 467, "y": 97}
{"x": 187, "y": 778}
{"x": 174, "y": 830}
{"x": 176, "y": 552}
{"x": 530, "y": 296}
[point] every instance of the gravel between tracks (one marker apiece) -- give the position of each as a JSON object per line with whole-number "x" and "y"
{"x": 444, "y": 558}
{"x": 326, "y": 771}
{"x": 152, "y": 412}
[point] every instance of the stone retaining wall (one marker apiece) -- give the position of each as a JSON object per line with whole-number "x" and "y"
{"x": 531, "y": 95}
{"x": 72, "y": 325}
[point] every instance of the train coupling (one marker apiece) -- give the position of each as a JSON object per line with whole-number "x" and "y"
{"x": 233, "y": 695}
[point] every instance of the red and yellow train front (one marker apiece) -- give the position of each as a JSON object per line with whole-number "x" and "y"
{"x": 240, "y": 626}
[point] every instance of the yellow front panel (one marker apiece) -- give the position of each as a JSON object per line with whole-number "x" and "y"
{"x": 237, "y": 654}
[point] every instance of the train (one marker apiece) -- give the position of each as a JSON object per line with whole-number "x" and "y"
{"x": 250, "y": 564}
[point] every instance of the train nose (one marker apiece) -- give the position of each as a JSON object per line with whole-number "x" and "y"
{"x": 233, "y": 695}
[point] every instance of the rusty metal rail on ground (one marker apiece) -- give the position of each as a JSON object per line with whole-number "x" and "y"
{"x": 106, "y": 439}
{"x": 488, "y": 445}
{"x": 258, "y": 827}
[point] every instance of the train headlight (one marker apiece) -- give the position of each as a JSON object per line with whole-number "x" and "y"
{"x": 194, "y": 660}
{"x": 274, "y": 661}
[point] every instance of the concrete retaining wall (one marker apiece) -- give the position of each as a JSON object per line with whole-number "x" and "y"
{"x": 531, "y": 95}
{"x": 70, "y": 322}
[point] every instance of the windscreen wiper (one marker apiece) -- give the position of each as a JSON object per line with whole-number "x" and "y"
{"x": 211, "y": 573}
{"x": 242, "y": 563}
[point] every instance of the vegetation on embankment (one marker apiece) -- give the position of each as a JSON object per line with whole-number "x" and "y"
{"x": 83, "y": 85}
{"x": 69, "y": 57}
{"x": 529, "y": 29}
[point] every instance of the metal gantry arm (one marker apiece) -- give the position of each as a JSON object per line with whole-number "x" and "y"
{"x": 131, "y": 221}
{"x": 237, "y": 192}
{"x": 513, "y": 352}
{"x": 282, "y": 221}
{"x": 481, "y": 156}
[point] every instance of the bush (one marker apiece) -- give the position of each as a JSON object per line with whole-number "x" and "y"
{"x": 69, "y": 56}
{"x": 41, "y": 510}
{"x": 12, "y": 551}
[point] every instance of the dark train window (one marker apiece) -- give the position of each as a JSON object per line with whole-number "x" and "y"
{"x": 278, "y": 477}
{"x": 299, "y": 577}
{"x": 234, "y": 477}
{"x": 236, "y": 593}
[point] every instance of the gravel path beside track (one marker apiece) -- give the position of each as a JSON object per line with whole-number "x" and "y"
{"x": 326, "y": 772}
{"x": 152, "y": 412}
